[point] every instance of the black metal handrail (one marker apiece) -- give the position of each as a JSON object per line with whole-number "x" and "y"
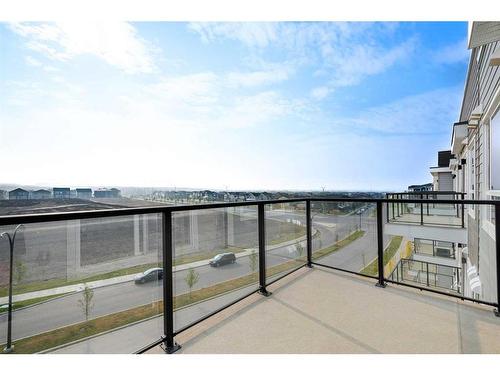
{"x": 94, "y": 214}
{"x": 168, "y": 245}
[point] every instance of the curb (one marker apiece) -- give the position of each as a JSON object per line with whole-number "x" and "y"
{"x": 96, "y": 335}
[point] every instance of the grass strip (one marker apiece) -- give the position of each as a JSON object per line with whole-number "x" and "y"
{"x": 389, "y": 252}
{"x": 298, "y": 232}
{"x": 338, "y": 245}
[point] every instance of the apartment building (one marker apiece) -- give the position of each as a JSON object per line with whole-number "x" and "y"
{"x": 423, "y": 187}
{"x": 453, "y": 245}
{"x": 476, "y": 149}
{"x": 441, "y": 174}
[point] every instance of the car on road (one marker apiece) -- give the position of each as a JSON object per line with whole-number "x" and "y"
{"x": 222, "y": 259}
{"x": 153, "y": 274}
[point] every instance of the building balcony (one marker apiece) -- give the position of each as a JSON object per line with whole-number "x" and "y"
{"x": 200, "y": 276}
{"x": 441, "y": 218}
{"x": 344, "y": 314}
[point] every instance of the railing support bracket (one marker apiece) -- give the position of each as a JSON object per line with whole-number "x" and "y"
{"x": 170, "y": 349}
{"x": 264, "y": 292}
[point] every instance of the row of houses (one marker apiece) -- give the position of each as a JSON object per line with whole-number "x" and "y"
{"x": 244, "y": 196}
{"x": 471, "y": 168}
{"x": 59, "y": 193}
{"x": 217, "y": 196}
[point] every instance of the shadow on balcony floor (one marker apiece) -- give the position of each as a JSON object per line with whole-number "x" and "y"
{"x": 323, "y": 311}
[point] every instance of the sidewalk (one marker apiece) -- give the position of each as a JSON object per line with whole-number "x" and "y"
{"x": 127, "y": 278}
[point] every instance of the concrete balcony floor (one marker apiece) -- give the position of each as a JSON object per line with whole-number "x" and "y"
{"x": 323, "y": 311}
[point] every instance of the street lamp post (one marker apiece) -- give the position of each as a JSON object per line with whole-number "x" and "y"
{"x": 9, "y": 348}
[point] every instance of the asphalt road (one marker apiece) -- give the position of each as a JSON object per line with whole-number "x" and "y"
{"x": 107, "y": 300}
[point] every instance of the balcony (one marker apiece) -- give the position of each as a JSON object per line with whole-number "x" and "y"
{"x": 345, "y": 314}
{"x": 442, "y": 217}
{"x": 128, "y": 280}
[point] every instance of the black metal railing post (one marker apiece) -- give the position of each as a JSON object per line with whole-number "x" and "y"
{"x": 427, "y": 270}
{"x": 309, "y": 233}
{"x": 380, "y": 246}
{"x": 463, "y": 211}
{"x": 387, "y": 208}
{"x": 169, "y": 344}
{"x": 392, "y": 206}
{"x": 397, "y": 204}
{"x": 497, "y": 245}
{"x": 262, "y": 250}
{"x": 421, "y": 210}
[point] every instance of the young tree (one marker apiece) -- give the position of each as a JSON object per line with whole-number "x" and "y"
{"x": 253, "y": 258}
{"x": 19, "y": 271}
{"x": 299, "y": 249}
{"x": 336, "y": 237}
{"x": 86, "y": 302}
{"x": 192, "y": 277}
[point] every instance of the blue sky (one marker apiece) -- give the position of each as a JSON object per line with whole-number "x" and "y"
{"x": 345, "y": 106}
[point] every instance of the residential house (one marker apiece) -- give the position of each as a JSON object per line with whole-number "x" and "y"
{"x": 61, "y": 193}
{"x": 41, "y": 194}
{"x": 84, "y": 193}
{"x": 18, "y": 194}
{"x": 107, "y": 193}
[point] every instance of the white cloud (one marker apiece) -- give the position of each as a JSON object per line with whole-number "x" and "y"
{"x": 31, "y": 61}
{"x": 116, "y": 43}
{"x": 320, "y": 92}
{"x": 453, "y": 53}
{"x": 350, "y": 65}
{"x": 191, "y": 89}
{"x": 257, "y": 78}
{"x": 345, "y": 53}
{"x": 424, "y": 113}
{"x": 258, "y": 34}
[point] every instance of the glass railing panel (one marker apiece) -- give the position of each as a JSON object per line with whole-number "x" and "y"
{"x": 74, "y": 285}
{"x": 286, "y": 247}
{"x": 344, "y": 236}
{"x": 216, "y": 260}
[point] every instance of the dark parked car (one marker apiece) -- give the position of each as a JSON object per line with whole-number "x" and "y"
{"x": 153, "y": 274}
{"x": 222, "y": 259}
